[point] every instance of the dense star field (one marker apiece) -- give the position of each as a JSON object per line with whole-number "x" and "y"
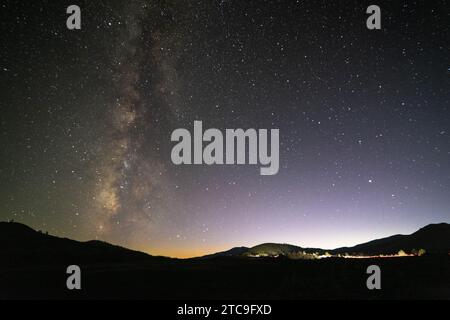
{"x": 86, "y": 119}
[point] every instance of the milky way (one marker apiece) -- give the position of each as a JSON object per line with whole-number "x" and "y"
{"x": 132, "y": 190}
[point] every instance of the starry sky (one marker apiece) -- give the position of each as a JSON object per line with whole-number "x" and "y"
{"x": 86, "y": 118}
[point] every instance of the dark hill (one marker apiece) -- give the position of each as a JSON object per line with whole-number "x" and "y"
{"x": 21, "y": 245}
{"x": 233, "y": 252}
{"x": 272, "y": 249}
{"x": 434, "y": 238}
{"x": 283, "y": 249}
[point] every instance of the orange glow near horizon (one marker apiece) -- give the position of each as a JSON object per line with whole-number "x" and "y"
{"x": 182, "y": 253}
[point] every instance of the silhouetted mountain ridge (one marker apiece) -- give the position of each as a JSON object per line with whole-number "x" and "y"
{"x": 433, "y": 238}
{"x": 20, "y": 244}
{"x": 233, "y": 252}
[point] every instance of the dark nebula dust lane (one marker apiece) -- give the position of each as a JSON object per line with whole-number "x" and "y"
{"x": 87, "y": 117}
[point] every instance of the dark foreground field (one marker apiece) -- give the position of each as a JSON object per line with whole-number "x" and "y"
{"x": 236, "y": 278}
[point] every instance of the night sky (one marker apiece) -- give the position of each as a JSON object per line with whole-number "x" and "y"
{"x": 86, "y": 118}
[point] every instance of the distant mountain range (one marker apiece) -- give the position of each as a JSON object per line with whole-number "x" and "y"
{"x": 434, "y": 238}
{"x": 21, "y": 245}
